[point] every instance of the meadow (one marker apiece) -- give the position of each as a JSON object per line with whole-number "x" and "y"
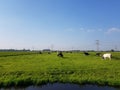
{"x": 28, "y": 68}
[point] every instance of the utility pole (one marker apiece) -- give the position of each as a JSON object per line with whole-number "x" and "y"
{"x": 97, "y": 44}
{"x": 52, "y": 46}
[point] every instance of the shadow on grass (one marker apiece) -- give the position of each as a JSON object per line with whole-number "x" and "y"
{"x": 116, "y": 58}
{"x": 63, "y": 57}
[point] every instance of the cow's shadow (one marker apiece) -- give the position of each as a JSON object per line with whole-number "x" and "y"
{"x": 64, "y": 57}
{"x": 116, "y": 58}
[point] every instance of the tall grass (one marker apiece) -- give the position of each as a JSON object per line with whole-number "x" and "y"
{"x": 73, "y": 68}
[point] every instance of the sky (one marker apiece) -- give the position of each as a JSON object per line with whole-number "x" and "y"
{"x": 60, "y": 24}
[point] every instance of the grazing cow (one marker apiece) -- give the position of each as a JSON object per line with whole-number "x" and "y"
{"x": 86, "y": 53}
{"x": 40, "y": 52}
{"x": 98, "y": 54}
{"x": 59, "y": 54}
{"x": 107, "y": 55}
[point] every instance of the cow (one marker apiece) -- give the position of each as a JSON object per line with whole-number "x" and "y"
{"x": 107, "y": 55}
{"x": 86, "y": 53}
{"x": 40, "y": 52}
{"x": 98, "y": 54}
{"x": 60, "y": 54}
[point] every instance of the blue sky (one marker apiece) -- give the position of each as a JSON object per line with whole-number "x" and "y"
{"x": 60, "y": 24}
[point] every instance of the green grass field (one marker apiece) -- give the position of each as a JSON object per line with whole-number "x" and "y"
{"x": 17, "y": 70}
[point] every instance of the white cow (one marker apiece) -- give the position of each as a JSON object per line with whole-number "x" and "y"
{"x": 107, "y": 55}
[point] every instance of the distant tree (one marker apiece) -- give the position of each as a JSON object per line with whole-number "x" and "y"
{"x": 112, "y": 50}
